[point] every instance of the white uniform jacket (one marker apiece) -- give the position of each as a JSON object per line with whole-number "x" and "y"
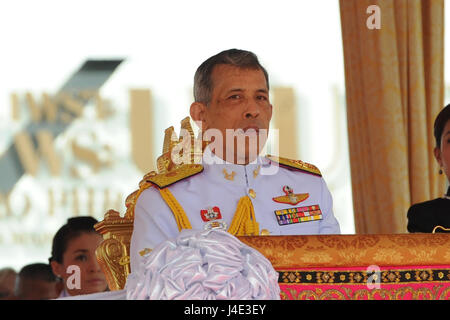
{"x": 222, "y": 186}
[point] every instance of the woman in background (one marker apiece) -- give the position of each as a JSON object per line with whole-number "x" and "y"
{"x": 434, "y": 215}
{"x": 73, "y": 257}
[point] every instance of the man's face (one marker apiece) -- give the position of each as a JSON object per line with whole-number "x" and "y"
{"x": 239, "y": 100}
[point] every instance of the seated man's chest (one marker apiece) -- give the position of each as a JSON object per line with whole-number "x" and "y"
{"x": 284, "y": 204}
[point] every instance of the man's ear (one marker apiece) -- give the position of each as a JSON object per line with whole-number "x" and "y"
{"x": 438, "y": 156}
{"x": 198, "y": 114}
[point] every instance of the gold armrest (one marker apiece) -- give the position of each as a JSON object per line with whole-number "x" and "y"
{"x": 113, "y": 254}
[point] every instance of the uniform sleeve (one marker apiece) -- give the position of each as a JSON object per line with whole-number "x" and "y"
{"x": 153, "y": 224}
{"x": 329, "y": 223}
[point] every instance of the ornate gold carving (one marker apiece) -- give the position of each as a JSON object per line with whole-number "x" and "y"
{"x": 113, "y": 253}
{"x": 170, "y": 172}
{"x": 124, "y": 260}
{"x": 164, "y": 162}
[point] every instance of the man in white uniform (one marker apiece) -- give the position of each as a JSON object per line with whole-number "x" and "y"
{"x": 233, "y": 189}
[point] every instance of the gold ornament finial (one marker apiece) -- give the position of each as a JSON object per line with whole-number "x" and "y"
{"x": 165, "y": 162}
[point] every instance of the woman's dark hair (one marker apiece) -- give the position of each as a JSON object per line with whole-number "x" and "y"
{"x": 439, "y": 124}
{"x": 72, "y": 229}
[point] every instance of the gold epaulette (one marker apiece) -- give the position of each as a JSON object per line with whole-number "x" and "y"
{"x": 296, "y": 165}
{"x": 166, "y": 179}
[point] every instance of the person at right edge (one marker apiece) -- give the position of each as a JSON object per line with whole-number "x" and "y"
{"x": 434, "y": 215}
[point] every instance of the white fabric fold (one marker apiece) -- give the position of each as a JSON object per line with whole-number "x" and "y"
{"x": 204, "y": 265}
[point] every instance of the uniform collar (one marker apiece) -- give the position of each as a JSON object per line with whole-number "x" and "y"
{"x": 226, "y": 172}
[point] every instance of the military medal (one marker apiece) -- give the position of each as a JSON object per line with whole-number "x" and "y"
{"x": 213, "y": 219}
{"x": 298, "y": 215}
{"x": 290, "y": 197}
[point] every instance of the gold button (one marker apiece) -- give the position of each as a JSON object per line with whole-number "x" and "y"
{"x": 265, "y": 232}
{"x": 252, "y": 193}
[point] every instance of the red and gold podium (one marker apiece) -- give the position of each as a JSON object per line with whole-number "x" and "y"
{"x": 354, "y": 267}
{"x": 397, "y": 266}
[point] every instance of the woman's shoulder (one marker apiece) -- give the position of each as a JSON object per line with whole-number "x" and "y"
{"x": 424, "y": 216}
{"x": 435, "y": 205}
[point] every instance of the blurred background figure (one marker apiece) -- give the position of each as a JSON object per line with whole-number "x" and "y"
{"x": 37, "y": 282}
{"x": 7, "y": 283}
{"x": 73, "y": 257}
